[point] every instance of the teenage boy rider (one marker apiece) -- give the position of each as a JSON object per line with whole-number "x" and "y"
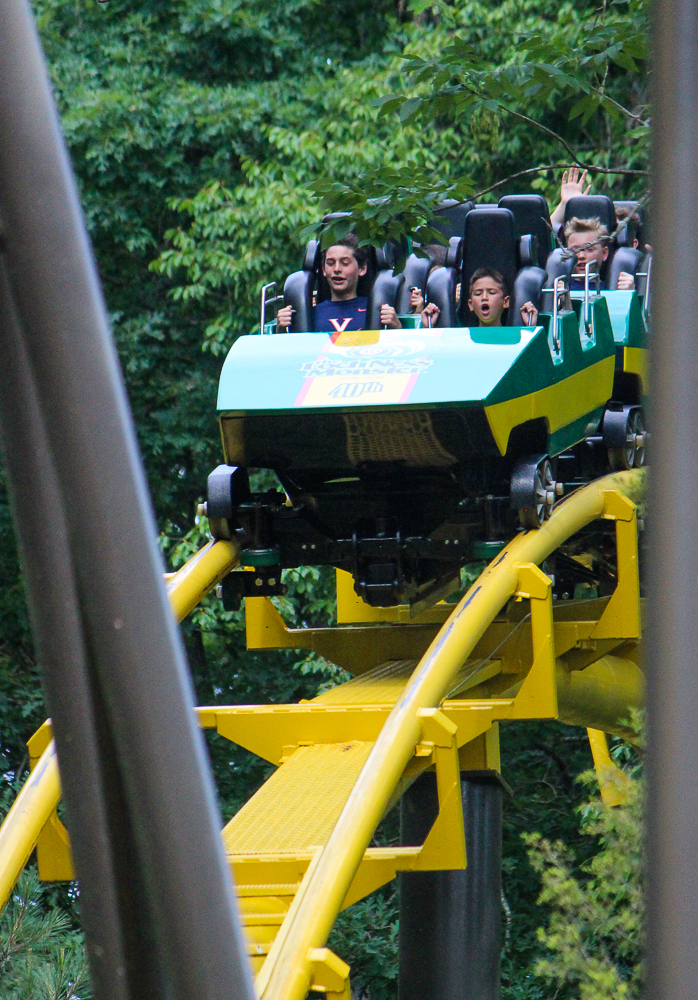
{"x": 343, "y": 264}
{"x": 588, "y": 239}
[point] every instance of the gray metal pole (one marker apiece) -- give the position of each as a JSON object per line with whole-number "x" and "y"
{"x": 673, "y": 605}
{"x": 450, "y": 921}
{"x": 152, "y": 759}
{"x": 54, "y": 610}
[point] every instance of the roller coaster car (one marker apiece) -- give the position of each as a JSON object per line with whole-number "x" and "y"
{"x": 404, "y": 454}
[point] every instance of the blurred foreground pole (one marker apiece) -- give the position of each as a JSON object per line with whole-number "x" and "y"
{"x": 156, "y": 894}
{"x": 672, "y": 660}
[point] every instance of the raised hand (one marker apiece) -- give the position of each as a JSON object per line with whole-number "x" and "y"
{"x": 573, "y": 184}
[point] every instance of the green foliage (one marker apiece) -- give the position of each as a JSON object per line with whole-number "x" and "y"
{"x": 545, "y": 84}
{"x": 368, "y": 932}
{"x": 41, "y": 955}
{"x": 594, "y": 938}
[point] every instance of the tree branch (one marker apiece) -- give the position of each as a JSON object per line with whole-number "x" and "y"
{"x": 556, "y": 166}
{"x": 558, "y": 138}
{"x": 626, "y": 111}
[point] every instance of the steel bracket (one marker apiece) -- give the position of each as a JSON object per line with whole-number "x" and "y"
{"x": 621, "y": 619}
{"x": 537, "y": 698}
{"x": 330, "y": 975}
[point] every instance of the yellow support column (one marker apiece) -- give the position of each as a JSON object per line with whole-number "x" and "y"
{"x": 613, "y": 782}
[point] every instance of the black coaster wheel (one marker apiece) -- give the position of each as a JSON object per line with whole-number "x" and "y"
{"x": 533, "y": 490}
{"x": 625, "y": 437}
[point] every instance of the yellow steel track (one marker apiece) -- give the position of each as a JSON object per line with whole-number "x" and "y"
{"x": 426, "y": 694}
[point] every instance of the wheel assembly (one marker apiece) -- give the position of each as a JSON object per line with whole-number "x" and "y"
{"x": 534, "y": 490}
{"x": 625, "y": 437}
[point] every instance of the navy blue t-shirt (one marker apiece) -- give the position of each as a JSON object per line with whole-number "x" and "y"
{"x": 577, "y": 284}
{"x": 336, "y": 317}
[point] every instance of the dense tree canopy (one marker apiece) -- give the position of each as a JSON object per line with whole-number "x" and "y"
{"x": 206, "y": 135}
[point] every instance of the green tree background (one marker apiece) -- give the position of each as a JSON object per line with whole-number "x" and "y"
{"x": 205, "y": 136}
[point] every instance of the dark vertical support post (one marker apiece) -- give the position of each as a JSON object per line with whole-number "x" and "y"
{"x": 159, "y": 909}
{"x": 450, "y": 921}
{"x": 673, "y": 598}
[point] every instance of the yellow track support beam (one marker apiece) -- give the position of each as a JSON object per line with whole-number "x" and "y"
{"x": 39, "y": 797}
{"x": 190, "y": 584}
{"x": 287, "y": 973}
{"x": 24, "y": 822}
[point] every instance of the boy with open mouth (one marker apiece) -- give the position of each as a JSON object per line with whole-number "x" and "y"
{"x": 489, "y": 298}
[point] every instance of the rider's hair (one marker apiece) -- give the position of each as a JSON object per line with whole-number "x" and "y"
{"x": 489, "y": 272}
{"x": 351, "y": 240}
{"x": 594, "y": 225}
{"x": 436, "y": 254}
{"x": 623, "y": 213}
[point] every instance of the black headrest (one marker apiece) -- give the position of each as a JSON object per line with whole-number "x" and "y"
{"x": 454, "y": 252}
{"x": 490, "y": 241}
{"x": 528, "y": 251}
{"x": 532, "y": 215}
{"x": 591, "y": 206}
{"x": 333, "y": 216}
{"x": 311, "y": 260}
{"x": 449, "y": 218}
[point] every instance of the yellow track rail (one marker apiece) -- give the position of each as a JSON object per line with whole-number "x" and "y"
{"x": 24, "y": 822}
{"x": 287, "y": 972}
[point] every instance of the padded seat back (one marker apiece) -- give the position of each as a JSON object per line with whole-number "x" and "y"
{"x": 591, "y": 206}
{"x": 449, "y": 218}
{"x": 626, "y": 259}
{"x": 489, "y": 241}
{"x": 528, "y": 287}
{"x": 416, "y": 272}
{"x": 644, "y": 268}
{"x": 385, "y": 292}
{"x": 532, "y": 215}
{"x": 298, "y": 289}
{"x": 559, "y": 266}
{"x": 441, "y": 290}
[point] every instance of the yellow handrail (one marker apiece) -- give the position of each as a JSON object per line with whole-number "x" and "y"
{"x": 325, "y": 887}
